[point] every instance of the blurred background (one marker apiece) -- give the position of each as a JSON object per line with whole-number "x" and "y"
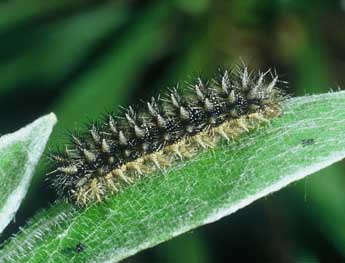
{"x": 80, "y": 58}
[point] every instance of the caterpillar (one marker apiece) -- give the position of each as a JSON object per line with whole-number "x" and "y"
{"x": 121, "y": 148}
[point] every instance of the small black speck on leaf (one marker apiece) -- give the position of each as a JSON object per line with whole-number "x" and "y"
{"x": 306, "y": 142}
{"x": 79, "y": 247}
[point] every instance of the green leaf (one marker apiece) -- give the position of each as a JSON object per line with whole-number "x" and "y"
{"x": 192, "y": 193}
{"x": 19, "y": 154}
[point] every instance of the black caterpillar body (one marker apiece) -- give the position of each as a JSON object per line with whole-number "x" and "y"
{"x": 122, "y": 148}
